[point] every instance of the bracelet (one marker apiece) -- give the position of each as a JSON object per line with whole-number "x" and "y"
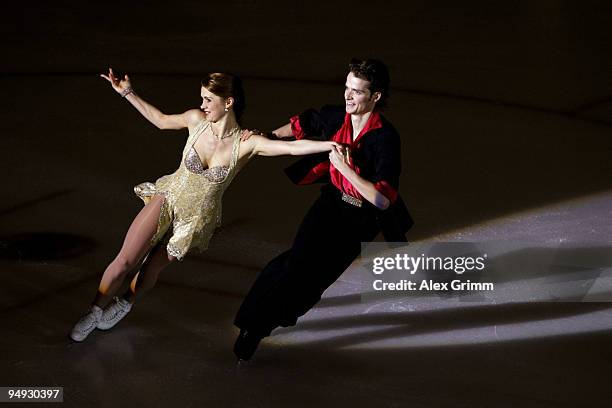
{"x": 126, "y": 91}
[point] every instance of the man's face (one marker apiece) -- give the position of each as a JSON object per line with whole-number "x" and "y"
{"x": 357, "y": 95}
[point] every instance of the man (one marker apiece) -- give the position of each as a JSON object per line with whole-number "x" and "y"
{"x": 358, "y": 200}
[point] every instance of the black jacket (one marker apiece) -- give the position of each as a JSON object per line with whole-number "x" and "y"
{"x": 377, "y": 154}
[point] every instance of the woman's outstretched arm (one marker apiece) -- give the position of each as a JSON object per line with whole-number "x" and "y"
{"x": 150, "y": 112}
{"x": 262, "y": 146}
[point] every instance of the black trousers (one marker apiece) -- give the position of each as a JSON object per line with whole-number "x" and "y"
{"x": 328, "y": 240}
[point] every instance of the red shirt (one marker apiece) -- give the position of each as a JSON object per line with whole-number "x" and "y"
{"x": 344, "y": 136}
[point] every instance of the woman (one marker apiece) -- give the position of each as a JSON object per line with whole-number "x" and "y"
{"x": 182, "y": 209}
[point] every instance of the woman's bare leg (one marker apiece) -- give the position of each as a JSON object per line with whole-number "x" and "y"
{"x": 135, "y": 247}
{"x": 149, "y": 272}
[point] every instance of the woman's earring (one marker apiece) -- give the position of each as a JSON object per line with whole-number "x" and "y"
{"x": 226, "y": 109}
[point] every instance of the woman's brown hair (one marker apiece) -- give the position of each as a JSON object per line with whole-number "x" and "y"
{"x": 227, "y": 85}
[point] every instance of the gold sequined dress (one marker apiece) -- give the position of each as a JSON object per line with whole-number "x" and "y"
{"x": 192, "y": 207}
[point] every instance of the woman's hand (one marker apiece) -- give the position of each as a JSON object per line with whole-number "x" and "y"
{"x": 119, "y": 85}
{"x": 334, "y": 146}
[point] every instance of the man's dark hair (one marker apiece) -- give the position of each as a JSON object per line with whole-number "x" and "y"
{"x": 377, "y": 73}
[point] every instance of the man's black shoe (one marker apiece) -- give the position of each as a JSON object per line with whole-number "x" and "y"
{"x": 246, "y": 344}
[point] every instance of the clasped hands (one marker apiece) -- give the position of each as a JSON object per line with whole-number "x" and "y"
{"x": 340, "y": 157}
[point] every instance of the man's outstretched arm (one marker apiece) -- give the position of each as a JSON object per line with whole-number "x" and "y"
{"x": 283, "y": 131}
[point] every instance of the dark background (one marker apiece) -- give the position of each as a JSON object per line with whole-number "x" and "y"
{"x": 504, "y": 108}
{"x": 501, "y": 105}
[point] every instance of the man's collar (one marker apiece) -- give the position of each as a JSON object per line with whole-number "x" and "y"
{"x": 374, "y": 122}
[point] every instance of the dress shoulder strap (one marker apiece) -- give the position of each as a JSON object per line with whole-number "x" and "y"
{"x": 199, "y": 128}
{"x": 195, "y": 132}
{"x": 235, "y": 150}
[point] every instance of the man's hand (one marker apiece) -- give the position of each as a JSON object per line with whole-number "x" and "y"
{"x": 340, "y": 158}
{"x": 246, "y": 134}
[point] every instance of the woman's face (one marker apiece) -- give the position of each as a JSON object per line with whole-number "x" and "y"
{"x": 213, "y": 105}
